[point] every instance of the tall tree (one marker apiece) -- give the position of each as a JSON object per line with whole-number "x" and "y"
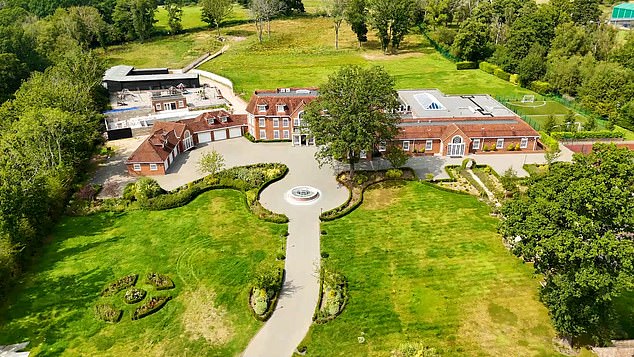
{"x": 354, "y": 112}
{"x": 215, "y": 11}
{"x": 336, "y": 10}
{"x": 532, "y": 67}
{"x": 585, "y": 11}
{"x": 607, "y": 88}
{"x": 292, "y": 6}
{"x": 356, "y": 15}
{"x": 134, "y": 19}
{"x": 12, "y": 72}
{"x": 575, "y": 223}
{"x": 174, "y": 15}
{"x": 472, "y": 41}
{"x": 392, "y": 20}
{"x": 263, "y": 11}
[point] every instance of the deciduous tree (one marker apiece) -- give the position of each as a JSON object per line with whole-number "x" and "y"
{"x": 353, "y": 113}
{"x": 215, "y": 11}
{"x": 356, "y": 15}
{"x": 211, "y": 163}
{"x": 336, "y": 11}
{"x": 392, "y": 20}
{"x": 174, "y": 10}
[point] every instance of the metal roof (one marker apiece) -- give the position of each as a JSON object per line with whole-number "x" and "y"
{"x": 122, "y": 74}
{"x": 623, "y": 11}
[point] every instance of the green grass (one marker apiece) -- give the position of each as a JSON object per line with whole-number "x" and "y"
{"x": 301, "y": 52}
{"x": 209, "y": 248}
{"x": 191, "y": 19}
{"x": 426, "y": 265}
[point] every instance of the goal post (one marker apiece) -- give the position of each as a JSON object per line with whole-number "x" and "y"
{"x": 528, "y": 98}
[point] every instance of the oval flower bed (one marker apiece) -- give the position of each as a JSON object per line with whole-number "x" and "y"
{"x": 263, "y": 296}
{"x": 160, "y": 281}
{"x": 108, "y": 313}
{"x": 333, "y": 297}
{"x": 134, "y": 295}
{"x": 151, "y": 306}
{"x": 120, "y": 284}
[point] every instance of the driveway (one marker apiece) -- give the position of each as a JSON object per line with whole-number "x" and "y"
{"x": 112, "y": 173}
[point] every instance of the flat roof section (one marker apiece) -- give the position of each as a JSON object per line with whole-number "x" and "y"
{"x": 432, "y": 103}
{"x": 122, "y": 74}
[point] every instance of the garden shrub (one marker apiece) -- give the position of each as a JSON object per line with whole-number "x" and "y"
{"x": 579, "y": 135}
{"x": 153, "y": 305}
{"x": 485, "y": 148}
{"x": 334, "y": 295}
{"x": 325, "y": 255}
{"x": 548, "y": 141}
{"x": 120, "y": 284}
{"x": 267, "y": 284}
{"x": 511, "y": 147}
{"x": 514, "y": 78}
{"x": 360, "y": 178}
{"x": 249, "y": 137}
{"x": 128, "y": 191}
{"x": 134, "y": 295}
{"x": 146, "y": 188}
{"x": 394, "y": 174}
{"x": 466, "y": 65}
{"x": 160, "y": 281}
{"x": 540, "y": 87}
{"x": 108, "y": 313}
{"x": 280, "y": 256}
{"x": 488, "y": 67}
{"x": 500, "y": 73}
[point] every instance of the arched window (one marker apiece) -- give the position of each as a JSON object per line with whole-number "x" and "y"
{"x": 457, "y": 139}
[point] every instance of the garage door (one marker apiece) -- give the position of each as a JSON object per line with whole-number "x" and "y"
{"x": 235, "y": 132}
{"x": 220, "y": 134}
{"x": 204, "y": 138}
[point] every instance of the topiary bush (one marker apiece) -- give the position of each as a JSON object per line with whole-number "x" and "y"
{"x": 146, "y": 188}
{"x": 134, "y": 295}
{"x": 108, "y": 313}
{"x": 488, "y": 67}
{"x": 153, "y": 305}
{"x": 466, "y": 65}
{"x": 500, "y": 73}
{"x": 120, "y": 284}
{"x": 394, "y": 174}
{"x": 160, "y": 281}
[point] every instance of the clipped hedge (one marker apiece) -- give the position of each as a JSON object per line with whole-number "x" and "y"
{"x": 540, "y": 87}
{"x": 548, "y": 141}
{"x": 120, "y": 284}
{"x": 273, "y": 303}
{"x": 160, "y": 281}
{"x": 514, "y": 78}
{"x": 153, "y": 305}
{"x": 252, "y": 139}
{"x": 580, "y": 135}
{"x": 320, "y": 316}
{"x": 500, "y": 73}
{"x": 466, "y": 65}
{"x": 108, "y": 313}
{"x": 488, "y": 67}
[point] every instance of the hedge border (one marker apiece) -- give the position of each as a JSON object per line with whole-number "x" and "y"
{"x": 249, "y": 137}
{"x": 205, "y": 188}
{"x": 446, "y": 189}
{"x": 346, "y": 296}
{"x": 273, "y": 304}
{"x": 582, "y": 135}
{"x": 346, "y": 211}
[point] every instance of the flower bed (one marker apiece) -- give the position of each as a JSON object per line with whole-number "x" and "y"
{"x": 151, "y": 306}
{"x": 134, "y": 295}
{"x": 262, "y": 301}
{"x": 333, "y": 296}
{"x": 120, "y": 284}
{"x": 358, "y": 183}
{"x": 160, "y": 281}
{"x": 108, "y": 313}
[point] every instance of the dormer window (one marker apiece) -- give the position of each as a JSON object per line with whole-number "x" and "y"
{"x": 210, "y": 121}
{"x": 224, "y": 119}
{"x": 281, "y": 107}
{"x": 262, "y": 107}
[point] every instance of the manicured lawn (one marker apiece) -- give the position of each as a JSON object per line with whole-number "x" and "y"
{"x": 301, "y": 52}
{"x": 209, "y": 248}
{"x": 191, "y": 18}
{"x": 426, "y": 265}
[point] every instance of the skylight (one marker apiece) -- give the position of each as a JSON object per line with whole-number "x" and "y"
{"x": 428, "y": 101}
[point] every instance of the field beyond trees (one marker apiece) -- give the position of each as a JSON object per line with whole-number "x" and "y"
{"x": 209, "y": 248}
{"x": 437, "y": 274}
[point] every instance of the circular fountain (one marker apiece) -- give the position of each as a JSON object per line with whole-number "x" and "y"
{"x": 303, "y": 195}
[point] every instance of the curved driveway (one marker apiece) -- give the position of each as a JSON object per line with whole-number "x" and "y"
{"x": 292, "y": 318}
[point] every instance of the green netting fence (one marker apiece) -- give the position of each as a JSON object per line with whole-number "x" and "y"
{"x": 442, "y": 50}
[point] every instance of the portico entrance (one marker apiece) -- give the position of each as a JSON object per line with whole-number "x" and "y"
{"x": 303, "y": 140}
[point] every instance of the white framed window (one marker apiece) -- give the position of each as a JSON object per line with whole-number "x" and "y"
{"x": 276, "y": 122}
{"x": 405, "y": 145}
{"x": 181, "y": 104}
{"x": 363, "y": 154}
{"x": 296, "y": 140}
{"x": 276, "y": 134}
{"x": 524, "y": 143}
{"x": 429, "y": 145}
{"x": 262, "y": 134}
{"x": 499, "y": 144}
{"x": 158, "y": 106}
{"x": 136, "y": 167}
{"x": 261, "y": 107}
{"x": 476, "y": 144}
{"x": 262, "y": 122}
{"x": 224, "y": 119}
{"x": 285, "y": 122}
{"x": 296, "y": 122}
{"x": 281, "y": 107}
{"x": 287, "y": 134}
{"x": 166, "y": 106}
{"x": 153, "y": 167}
{"x": 382, "y": 147}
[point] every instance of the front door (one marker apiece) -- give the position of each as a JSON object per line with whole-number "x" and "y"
{"x": 456, "y": 148}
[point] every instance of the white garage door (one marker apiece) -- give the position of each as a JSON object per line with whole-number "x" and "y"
{"x": 204, "y": 137}
{"x": 235, "y": 132}
{"x": 220, "y": 134}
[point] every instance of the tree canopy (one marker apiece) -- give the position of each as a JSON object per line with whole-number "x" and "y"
{"x": 354, "y": 112}
{"x": 576, "y": 223}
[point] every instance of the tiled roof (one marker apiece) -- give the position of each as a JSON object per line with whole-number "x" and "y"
{"x": 157, "y": 147}
{"x": 292, "y": 102}
{"x": 177, "y": 127}
{"x": 442, "y": 131}
{"x": 212, "y": 120}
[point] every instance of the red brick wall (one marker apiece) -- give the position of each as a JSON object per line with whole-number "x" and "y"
{"x": 491, "y": 143}
{"x": 270, "y": 129}
{"x": 145, "y": 170}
